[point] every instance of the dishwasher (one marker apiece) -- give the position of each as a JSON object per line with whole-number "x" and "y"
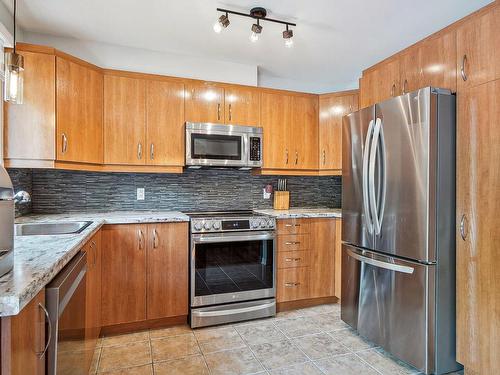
{"x": 65, "y": 299}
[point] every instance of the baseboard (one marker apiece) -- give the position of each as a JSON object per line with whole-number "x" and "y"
{"x": 143, "y": 325}
{"x": 299, "y": 304}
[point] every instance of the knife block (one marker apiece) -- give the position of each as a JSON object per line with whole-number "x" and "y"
{"x": 281, "y": 200}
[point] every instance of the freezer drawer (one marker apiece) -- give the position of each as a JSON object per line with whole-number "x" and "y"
{"x": 390, "y": 302}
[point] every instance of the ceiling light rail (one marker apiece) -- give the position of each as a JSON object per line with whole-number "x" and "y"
{"x": 259, "y": 14}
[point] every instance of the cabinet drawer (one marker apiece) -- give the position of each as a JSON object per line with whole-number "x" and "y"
{"x": 293, "y": 284}
{"x": 293, "y": 226}
{"x": 293, "y": 242}
{"x": 291, "y": 259}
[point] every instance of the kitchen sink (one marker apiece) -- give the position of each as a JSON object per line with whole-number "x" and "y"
{"x": 40, "y": 229}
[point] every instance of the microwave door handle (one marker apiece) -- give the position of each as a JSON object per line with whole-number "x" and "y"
{"x": 366, "y": 202}
{"x": 371, "y": 176}
{"x": 379, "y": 263}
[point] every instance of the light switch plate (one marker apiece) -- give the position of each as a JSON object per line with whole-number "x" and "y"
{"x": 140, "y": 194}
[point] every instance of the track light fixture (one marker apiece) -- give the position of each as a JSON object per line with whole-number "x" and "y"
{"x": 221, "y": 23}
{"x": 259, "y": 14}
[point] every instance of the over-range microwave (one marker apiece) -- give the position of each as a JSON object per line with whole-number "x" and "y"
{"x": 215, "y": 145}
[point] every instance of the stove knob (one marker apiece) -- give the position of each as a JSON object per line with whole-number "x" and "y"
{"x": 255, "y": 224}
{"x": 262, "y": 223}
{"x": 207, "y": 226}
{"x": 197, "y": 226}
{"x": 216, "y": 225}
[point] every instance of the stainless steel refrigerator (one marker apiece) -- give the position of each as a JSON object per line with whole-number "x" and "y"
{"x": 398, "y": 218}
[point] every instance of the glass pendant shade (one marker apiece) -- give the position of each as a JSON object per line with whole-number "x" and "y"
{"x": 14, "y": 76}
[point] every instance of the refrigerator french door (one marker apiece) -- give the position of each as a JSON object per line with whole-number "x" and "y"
{"x": 398, "y": 209}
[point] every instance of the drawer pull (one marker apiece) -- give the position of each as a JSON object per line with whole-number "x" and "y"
{"x": 292, "y": 225}
{"x": 291, "y": 285}
{"x": 47, "y": 317}
{"x": 292, "y": 243}
{"x": 293, "y": 259}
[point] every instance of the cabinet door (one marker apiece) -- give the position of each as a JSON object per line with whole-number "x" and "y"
{"x": 381, "y": 82}
{"x": 276, "y": 117}
{"x": 331, "y": 111}
{"x": 478, "y": 52}
{"x": 292, "y": 284}
{"x": 30, "y": 128}
{"x": 242, "y": 106}
{"x": 322, "y": 258}
{"x": 410, "y": 70}
{"x": 204, "y": 103}
{"x": 165, "y": 123}
{"x": 437, "y": 62}
{"x": 23, "y": 340}
{"x": 124, "y": 120}
{"x": 79, "y": 92}
{"x": 167, "y": 270}
{"x": 123, "y": 274}
{"x": 304, "y": 133}
{"x": 478, "y": 204}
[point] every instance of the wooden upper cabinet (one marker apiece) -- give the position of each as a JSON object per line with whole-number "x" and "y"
{"x": 332, "y": 108}
{"x": 437, "y": 62}
{"x": 204, "y": 103}
{"x": 410, "y": 71}
{"x": 478, "y": 203}
{"x": 478, "y": 49}
{"x": 124, "y": 120}
{"x": 276, "y": 117}
{"x": 79, "y": 119}
{"x": 381, "y": 82}
{"x": 304, "y": 133}
{"x": 242, "y": 106}
{"x": 167, "y": 270}
{"x": 30, "y": 128}
{"x": 322, "y": 258}
{"x": 23, "y": 340}
{"x": 123, "y": 273}
{"x": 165, "y": 123}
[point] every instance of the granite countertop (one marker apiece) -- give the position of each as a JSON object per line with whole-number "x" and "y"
{"x": 37, "y": 259}
{"x": 302, "y": 213}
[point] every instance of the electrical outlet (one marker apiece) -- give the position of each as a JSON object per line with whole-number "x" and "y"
{"x": 140, "y": 194}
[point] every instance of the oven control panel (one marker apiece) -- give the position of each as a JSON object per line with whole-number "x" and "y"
{"x": 232, "y": 224}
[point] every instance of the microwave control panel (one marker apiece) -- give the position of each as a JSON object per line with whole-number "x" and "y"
{"x": 255, "y": 151}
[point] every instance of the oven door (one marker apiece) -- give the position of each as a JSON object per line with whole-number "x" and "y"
{"x": 216, "y": 145}
{"x": 232, "y": 267}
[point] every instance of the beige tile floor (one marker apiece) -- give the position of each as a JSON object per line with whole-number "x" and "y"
{"x": 312, "y": 341}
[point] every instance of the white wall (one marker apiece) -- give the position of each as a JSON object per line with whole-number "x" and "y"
{"x": 146, "y": 61}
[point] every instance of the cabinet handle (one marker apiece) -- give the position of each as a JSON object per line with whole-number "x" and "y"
{"x": 155, "y": 239}
{"x": 286, "y": 156}
{"x": 141, "y": 238}
{"x": 464, "y": 230}
{"x": 324, "y": 157}
{"x": 296, "y": 157}
{"x": 462, "y": 68}
{"x": 95, "y": 252}
{"x": 218, "y": 111}
{"x": 230, "y": 113}
{"x": 292, "y": 243}
{"x": 405, "y": 86}
{"x": 47, "y": 316}
{"x": 152, "y": 151}
{"x": 350, "y": 108}
{"x": 393, "y": 89}
{"x": 292, "y": 225}
{"x": 291, "y": 285}
{"x": 64, "y": 143}
{"x": 139, "y": 151}
{"x": 292, "y": 259}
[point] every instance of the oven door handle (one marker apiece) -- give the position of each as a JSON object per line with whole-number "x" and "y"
{"x": 234, "y": 311}
{"x": 215, "y": 238}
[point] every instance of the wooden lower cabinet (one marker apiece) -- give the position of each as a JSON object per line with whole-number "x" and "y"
{"x": 144, "y": 272}
{"x": 23, "y": 340}
{"x": 306, "y": 260}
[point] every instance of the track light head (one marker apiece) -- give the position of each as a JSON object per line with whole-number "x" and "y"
{"x": 221, "y": 23}
{"x": 256, "y": 31}
{"x": 288, "y": 36}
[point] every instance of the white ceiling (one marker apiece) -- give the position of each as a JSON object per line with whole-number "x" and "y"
{"x": 334, "y": 40}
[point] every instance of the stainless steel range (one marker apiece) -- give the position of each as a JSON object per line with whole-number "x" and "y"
{"x": 232, "y": 270}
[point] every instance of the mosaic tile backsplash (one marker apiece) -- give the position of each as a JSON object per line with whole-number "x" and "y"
{"x": 56, "y": 191}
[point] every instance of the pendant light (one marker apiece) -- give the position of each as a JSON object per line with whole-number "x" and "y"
{"x": 14, "y": 72}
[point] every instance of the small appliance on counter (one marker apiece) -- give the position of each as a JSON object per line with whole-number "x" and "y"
{"x": 281, "y": 196}
{"x": 232, "y": 270}
{"x": 6, "y": 222}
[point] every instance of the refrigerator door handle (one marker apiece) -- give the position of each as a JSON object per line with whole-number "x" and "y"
{"x": 358, "y": 255}
{"x": 366, "y": 198}
{"x": 371, "y": 176}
